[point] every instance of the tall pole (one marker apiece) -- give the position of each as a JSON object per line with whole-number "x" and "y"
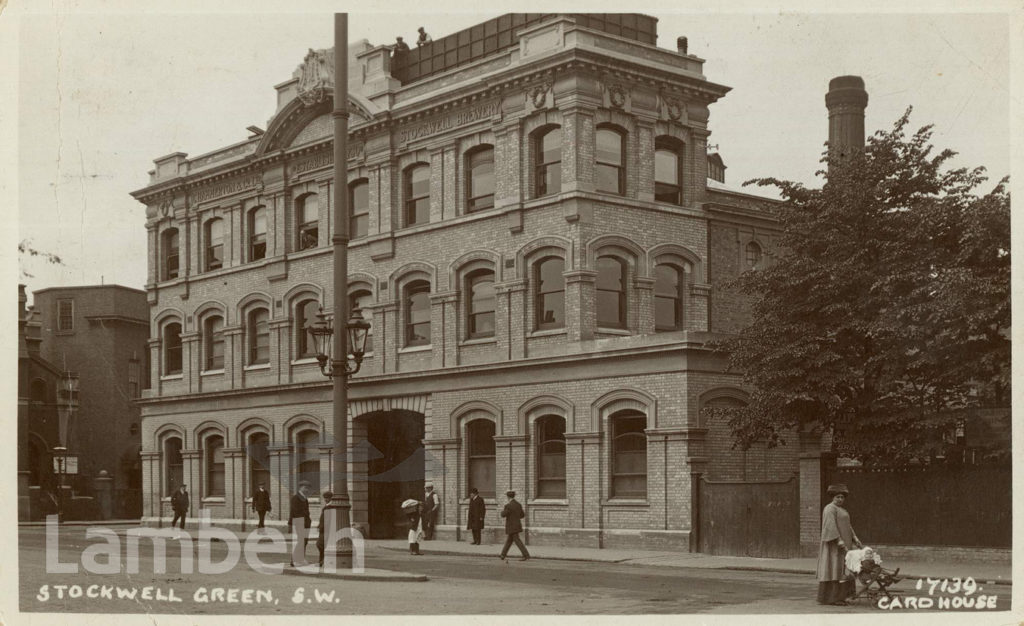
{"x": 340, "y": 502}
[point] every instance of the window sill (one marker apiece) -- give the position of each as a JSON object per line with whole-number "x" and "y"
{"x": 547, "y": 333}
{"x": 479, "y": 341}
{"x": 626, "y": 502}
{"x": 407, "y": 349}
{"x": 214, "y": 500}
{"x": 614, "y": 331}
{"x": 212, "y": 372}
{"x": 170, "y": 377}
{"x": 305, "y": 361}
{"x": 548, "y": 502}
{"x": 257, "y": 367}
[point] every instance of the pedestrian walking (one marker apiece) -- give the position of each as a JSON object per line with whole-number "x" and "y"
{"x": 835, "y": 582}
{"x": 477, "y": 509}
{"x": 261, "y": 503}
{"x": 179, "y": 504}
{"x": 299, "y": 508}
{"x": 321, "y": 538}
{"x": 411, "y": 508}
{"x": 513, "y": 514}
{"x": 431, "y": 506}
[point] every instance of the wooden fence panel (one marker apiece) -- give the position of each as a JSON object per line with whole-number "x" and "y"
{"x": 938, "y": 506}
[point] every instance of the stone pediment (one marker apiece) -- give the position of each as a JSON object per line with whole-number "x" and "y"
{"x": 301, "y": 122}
{"x": 307, "y": 117}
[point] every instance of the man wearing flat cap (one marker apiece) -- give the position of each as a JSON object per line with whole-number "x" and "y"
{"x": 431, "y": 506}
{"x": 513, "y": 514}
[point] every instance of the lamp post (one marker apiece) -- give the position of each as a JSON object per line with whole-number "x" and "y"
{"x": 334, "y": 361}
{"x": 60, "y": 455}
{"x": 67, "y": 405}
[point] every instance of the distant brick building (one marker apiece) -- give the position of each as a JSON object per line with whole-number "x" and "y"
{"x": 541, "y": 255}
{"x": 98, "y": 333}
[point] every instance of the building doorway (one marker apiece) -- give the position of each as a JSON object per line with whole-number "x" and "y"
{"x": 394, "y": 469}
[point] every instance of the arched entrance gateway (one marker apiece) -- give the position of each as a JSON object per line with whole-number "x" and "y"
{"x": 389, "y": 453}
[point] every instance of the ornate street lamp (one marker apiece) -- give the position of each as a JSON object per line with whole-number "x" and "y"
{"x": 357, "y": 329}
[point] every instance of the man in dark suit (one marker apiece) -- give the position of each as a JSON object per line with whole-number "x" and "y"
{"x": 179, "y": 504}
{"x": 476, "y": 515}
{"x": 261, "y": 503}
{"x": 299, "y": 508}
{"x": 513, "y": 514}
{"x": 321, "y": 539}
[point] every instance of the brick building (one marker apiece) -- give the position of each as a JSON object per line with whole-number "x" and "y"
{"x": 541, "y": 254}
{"x": 99, "y": 334}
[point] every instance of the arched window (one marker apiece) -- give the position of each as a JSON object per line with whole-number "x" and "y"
{"x": 174, "y": 474}
{"x": 307, "y": 459}
{"x": 307, "y": 221}
{"x": 362, "y": 300}
{"x": 214, "y": 465}
{"x": 172, "y": 348}
{"x": 259, "y": 461}
{"x": 610, "y": 156}
{"x": 169, "y": 245}
{"x": 305, "y": 319}
{"x": 611, "y": 292}
{"x": 551, "y": 457}
{"x": 668, "y": 297}
{"x": 668, "y": 171}
{"x": 214, "y": 237}
{"x": 417, "y": 194}
{"x": 258, "y": 234}
{"x": 417, "y": 313}
{"x": 480, "y": 453}
{"x": 549, "y": 293}
{"x": 480, "y": 304}
{"x": 480, "y": 179}
{"x": 213, "y": 343}
{"x": 629, "y": 454}
{"x": 258, "y": 339}
{"x": 753, "y": 256}
{"x": 38, "y": 391}
{"x": 548, "y": 162}
{"x": 359, "y": 205}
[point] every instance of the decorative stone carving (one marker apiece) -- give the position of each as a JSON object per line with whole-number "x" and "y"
{"x": 674, "y": 108}
{"x": 617, "y": 96}
{"x": 538, "y": 94}
{"x": 316, "y": 76}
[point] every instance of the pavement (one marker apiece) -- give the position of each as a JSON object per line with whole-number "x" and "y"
{"x": 982, "y": 568}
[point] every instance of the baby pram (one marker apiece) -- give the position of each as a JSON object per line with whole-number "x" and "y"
{"x": 876, "y": 581}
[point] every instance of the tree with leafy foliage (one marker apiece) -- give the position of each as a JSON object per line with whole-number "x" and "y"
{"x": 887, "y": 308}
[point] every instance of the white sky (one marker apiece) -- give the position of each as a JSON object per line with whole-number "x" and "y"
{"x": 101, "y": 95}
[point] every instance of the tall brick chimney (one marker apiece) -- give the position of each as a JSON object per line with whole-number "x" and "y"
{"x": 846, "y": 100}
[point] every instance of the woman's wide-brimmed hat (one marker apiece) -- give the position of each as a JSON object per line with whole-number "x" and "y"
{"x": 838, "y": 488}
{"x": 410, "y": 504}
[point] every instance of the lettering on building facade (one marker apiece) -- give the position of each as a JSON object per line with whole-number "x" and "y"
{"x": 226, "y": 189}
{"x": 452, "y": 120}
{"x": 323, "y": 159}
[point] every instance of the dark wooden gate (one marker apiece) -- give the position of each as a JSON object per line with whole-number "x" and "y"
{"x": 760, "y": 519}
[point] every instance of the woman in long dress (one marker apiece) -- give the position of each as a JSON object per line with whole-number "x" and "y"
{"x": 835, "y": 583}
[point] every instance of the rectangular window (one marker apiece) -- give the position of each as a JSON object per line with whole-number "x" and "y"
{"x": 65, "y": 315}
{"x": 174, "y": 467}
{"x": 133, "y": 378}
